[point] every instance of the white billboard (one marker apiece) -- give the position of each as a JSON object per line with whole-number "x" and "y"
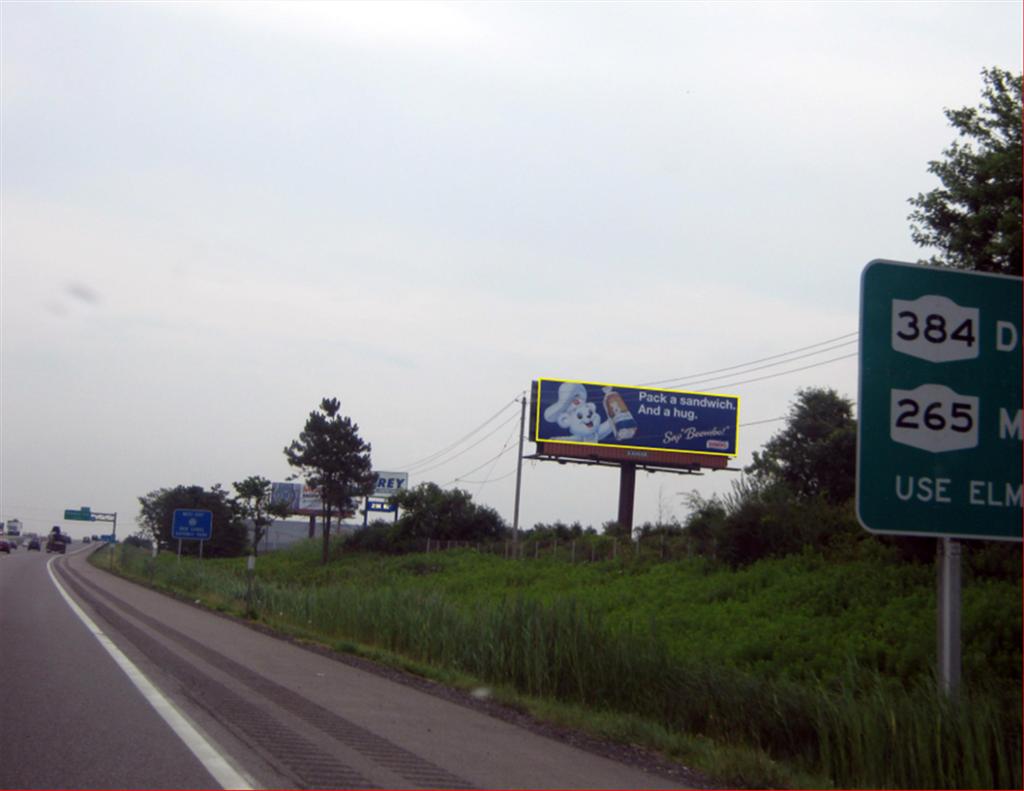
{"x": 389, "y": 483}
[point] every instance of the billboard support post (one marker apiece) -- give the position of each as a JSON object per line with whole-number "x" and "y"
{"x": 949, "y": 596}
{"x": 627, "y": 490}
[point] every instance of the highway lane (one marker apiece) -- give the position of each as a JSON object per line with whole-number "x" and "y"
{"x": 283, "y": 716}
{"x": 70, "y": 717}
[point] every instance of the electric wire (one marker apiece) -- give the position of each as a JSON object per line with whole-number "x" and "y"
{"x": 429, "y": 459}
{"x": 470, "y": 472}
{"x": 468, "y": 448}
{"x": 752, "y": 362}
{"x": 784, "y": 373}
{"x": 772, "y": 365}
{"x": 490, "y": 472}
{"x": 490, "y": 480}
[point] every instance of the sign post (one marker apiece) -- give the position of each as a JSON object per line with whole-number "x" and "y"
{"x": 939, "y": 424}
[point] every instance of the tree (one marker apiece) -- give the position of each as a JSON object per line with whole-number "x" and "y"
{"x": 428, "y": 511}
{"x": 255, "y": 504}
{"x": 815, "y": 455}
{"x": 229, "y": 537}
{"x": 974, "y": 219}
{"x": 334, "y": 459}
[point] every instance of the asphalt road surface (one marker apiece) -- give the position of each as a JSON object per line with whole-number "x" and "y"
{"x": 106, "y": 684}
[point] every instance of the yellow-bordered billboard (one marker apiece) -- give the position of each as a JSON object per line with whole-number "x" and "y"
{"x": 643, "y": 418}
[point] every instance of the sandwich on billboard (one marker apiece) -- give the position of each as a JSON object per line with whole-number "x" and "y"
{"x": 599, "y": 415}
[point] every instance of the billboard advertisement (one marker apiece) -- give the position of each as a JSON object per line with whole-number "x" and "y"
{"x": 389, "y": 483}
{"x": 301, "y": 499}
{"x": 640, "y": 418}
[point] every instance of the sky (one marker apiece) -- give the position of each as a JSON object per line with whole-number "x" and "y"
{"x": 213, "y": 215}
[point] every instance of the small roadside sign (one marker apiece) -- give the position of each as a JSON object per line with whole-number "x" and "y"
{"x": 190, "y": 524}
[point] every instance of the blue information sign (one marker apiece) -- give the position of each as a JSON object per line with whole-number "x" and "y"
{"x": 192, "y": 525}
{"x": 381, "y": 506}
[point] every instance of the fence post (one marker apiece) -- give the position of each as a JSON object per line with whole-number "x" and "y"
{"x": 572, "y": 556}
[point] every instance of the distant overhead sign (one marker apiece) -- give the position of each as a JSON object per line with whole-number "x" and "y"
{"x": 83, "y": 514}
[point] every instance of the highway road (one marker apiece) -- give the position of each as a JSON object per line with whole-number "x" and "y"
{"x": 106, "y": 684}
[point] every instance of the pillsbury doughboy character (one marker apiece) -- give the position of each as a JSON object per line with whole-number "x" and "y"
{"x": 573, "y": 411}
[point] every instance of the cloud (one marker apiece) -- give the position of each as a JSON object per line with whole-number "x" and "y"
{"x": 82, "y": 293}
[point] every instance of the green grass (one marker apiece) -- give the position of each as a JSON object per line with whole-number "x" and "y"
{"x": 792, "y": 671}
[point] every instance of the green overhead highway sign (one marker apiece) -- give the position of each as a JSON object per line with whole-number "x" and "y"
{"x": 939, "y": 425}
{"x": 83, "y": 514}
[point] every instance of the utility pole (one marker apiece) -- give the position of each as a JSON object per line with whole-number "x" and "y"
{"x": 519, "y": 469}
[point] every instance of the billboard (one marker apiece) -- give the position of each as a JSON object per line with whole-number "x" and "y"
{"x": 389, "y": 483}
{"x": 617, "y": 417}
{"x": 301, "y": 499}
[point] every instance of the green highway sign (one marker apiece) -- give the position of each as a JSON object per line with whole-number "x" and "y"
{"x": 83, "y": 514}
{"x": 939, "y": 425}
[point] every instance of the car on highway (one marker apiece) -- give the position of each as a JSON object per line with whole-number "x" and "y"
{"x": 55, "y": 544}
{"x": 5, "y": 546}
{"x": 34, "y": 544}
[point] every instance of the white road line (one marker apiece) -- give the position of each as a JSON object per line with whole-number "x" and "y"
{"x": 201, "y": 748}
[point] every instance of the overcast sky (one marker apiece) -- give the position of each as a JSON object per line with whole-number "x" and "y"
{"x": 216, "y": 214}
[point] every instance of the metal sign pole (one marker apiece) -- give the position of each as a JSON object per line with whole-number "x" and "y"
{"x": 948, "y": 609}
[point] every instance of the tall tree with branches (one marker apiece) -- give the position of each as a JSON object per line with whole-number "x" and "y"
{"x": 974, "y": 218}
{"x": 332, "y": 458}
{"x": 255, "y": 504}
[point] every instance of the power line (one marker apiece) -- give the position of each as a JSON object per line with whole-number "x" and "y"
{"x": 433, "y": 456}
{"x": 468, "y": 448}
{"x": 470, "y": 472}
{"x": 753, "y": 362}
{"x": 490, "y": 472}
{"x": 781, "y": 362}
{"x": 487, "y": 480}
{"x": 784, "y": 373}
{"x": 759, "y": 422}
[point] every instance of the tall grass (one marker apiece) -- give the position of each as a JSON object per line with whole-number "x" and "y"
{"x": 864, "y": 730}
